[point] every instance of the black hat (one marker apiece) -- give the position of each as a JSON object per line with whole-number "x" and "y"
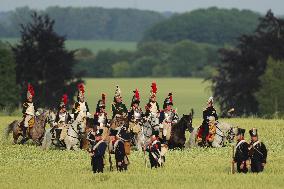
{"x": 99, "y": 132}
{"x": 155, "y": 133}
{"x": 253, "y": 132}
{"x": 113, "y": 132}
{"x": 168, "y": 100}
{"x": 241, "y": 131}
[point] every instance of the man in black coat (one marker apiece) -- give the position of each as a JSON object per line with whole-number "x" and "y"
{"x": 257, "y": 152}
{"x": 208, "y": 112}
{"x": 241, "y": 155}
{"x": 117, "y": 145}
{"x": 97, "y": 153}
{"x": 154, "y": 149}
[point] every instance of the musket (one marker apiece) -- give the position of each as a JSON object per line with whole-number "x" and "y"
{"x": 144, "y": 148}
{"x": 233, "y": 163}
{"x": 110, "y": 162}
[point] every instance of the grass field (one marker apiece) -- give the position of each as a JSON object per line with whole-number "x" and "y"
{"x": 27, "y": 166}
{"x": 93, "y": 45}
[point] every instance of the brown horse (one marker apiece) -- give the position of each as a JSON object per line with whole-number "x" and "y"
{"x": 177, "y": 139}
{"x": 34, "y": 133}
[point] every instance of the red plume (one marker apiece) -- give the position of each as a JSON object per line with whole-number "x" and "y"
{"x": 31, "y": 89}
{"x": 65, "y": 99}
{"x": 154, "y": 87}
{"x": 137, "y": 96}
{"x": 171, "y": 97}
{"x": 81, "y": 87}
{"x": 104, "y": 98}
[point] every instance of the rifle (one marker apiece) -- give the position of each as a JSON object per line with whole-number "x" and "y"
{"x": 144, "y": 148}
{"x": 233, "y": 163}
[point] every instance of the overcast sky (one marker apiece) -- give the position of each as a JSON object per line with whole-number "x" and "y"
{"x": 262, "y": 6}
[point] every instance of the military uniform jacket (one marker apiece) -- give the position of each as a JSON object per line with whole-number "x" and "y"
{"x": 209, "y": 111}
{"x": 119, "y": 150}
{"x": 241, "y": 154}
{"x": 154, "y": 149}
{"x": 99, "y": 149}
{"x": 100, "y": 118}
{"x": 135, "y": 114}
{"x": 152, "y": 107}
{"x": 258, "y": 152}
{"x": 168, "y": 116}
{"x": 80, "y": 106}
{"x": 28, "y": 108}
{"x": 62, "y": 117}
{"x": 118, "y": 108}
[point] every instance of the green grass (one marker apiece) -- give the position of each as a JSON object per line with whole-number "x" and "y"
{"x": 93, "y": 45}
{"x": 27, "y": 166}
{"x": 187, "y": 92}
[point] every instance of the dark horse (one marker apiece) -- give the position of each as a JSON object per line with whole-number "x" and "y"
{"x": 177, "y": 139}
{"x": 35, "y": 133}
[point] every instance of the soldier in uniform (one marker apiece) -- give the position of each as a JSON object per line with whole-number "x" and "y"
{"x": 154, "y": 149}
{"x": 62, "y": 119}
{"x": 100, "y": 117}
{"x": 28, "y": 111}
{"x": 152, "y": 106}
{"x": 168, "y": 116}
{"x": 208, "y": 112}
{"x": 135, "y": 114}
{"x": 257, "y": 152}
{"x": 117, "y": 147}
{"x": 81, "y": 105}
{"x": 241, "y": 154}
{"x": 118, "y": 107}
{"x": 98, "y": 152}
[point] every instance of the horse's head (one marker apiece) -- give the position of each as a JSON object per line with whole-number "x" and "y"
{"x": 186, "y": 121}
{"x": 80, "y": 121}
{"x": 231, "y": 133}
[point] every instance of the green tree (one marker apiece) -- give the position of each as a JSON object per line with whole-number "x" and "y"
{"x": 121, "y": 69}
{"x": 270, "y": 96}
{"x": 43, "y": 61}
{"x": 238, "y": 75}
{"x": 9, "y": 95}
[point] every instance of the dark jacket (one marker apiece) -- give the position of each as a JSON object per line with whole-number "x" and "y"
{"x": 241, "y": 154}
{"x": 258, "y": 152}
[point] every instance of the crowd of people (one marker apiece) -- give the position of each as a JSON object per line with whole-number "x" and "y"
{"x": 117, "y": 138}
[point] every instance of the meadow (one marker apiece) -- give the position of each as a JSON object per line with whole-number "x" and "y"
{"x": 93, "y": 45}
{"x": 28, "y": 166}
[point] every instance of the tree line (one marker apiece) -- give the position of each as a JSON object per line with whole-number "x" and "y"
{"x": 86, "y": 23}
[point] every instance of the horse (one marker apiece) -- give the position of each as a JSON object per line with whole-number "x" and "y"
{"x": 224, "y": 133}
{"x": 74, "y": 134}
{"x": 148, "y": 125}
{"x": 118, "y": 121}
{"x": 36, "y": 132}
{"x": 177, "y": 137}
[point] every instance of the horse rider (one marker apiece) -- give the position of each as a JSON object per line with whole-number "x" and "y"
{"x": 117, "y": 148}
{"x": 168, "y": 116}
{"x": 97, "y": 153}
{"x": 62, "y": 119}
{"x": 28, "y": 112}
{"x": 208, "y": 112}
{"x": 154, "y": 149}
{"x": 118, "y": 107}
{"x": 135, "y": 114}
{"x": 241, "y": 154}
{"x": 257, "y": 152}
{"x": 81, "y": 105}
{"x": 152, "y": 106}
{"x": 100, "y": 117}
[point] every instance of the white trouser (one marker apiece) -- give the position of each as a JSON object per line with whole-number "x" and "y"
{"x": 27, "y": 119}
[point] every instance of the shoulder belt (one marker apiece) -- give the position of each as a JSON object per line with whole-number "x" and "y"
{"x": 97, "y": 145}
{"x": 242, "y": 141}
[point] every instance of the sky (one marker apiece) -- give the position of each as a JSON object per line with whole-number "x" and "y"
{"x": 261, "y": 6}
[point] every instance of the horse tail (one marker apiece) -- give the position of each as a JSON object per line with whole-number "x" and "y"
{"x": 9, "y": 128}
{"x": 46, "y": 142}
